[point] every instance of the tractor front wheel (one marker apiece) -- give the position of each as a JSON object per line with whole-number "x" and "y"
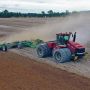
{"x": 62, "y": 55}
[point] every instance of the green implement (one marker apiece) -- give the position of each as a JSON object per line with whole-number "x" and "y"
{"x": 20, "y": 44}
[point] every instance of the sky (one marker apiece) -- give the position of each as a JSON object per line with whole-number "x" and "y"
{"x": 44, "y": 5}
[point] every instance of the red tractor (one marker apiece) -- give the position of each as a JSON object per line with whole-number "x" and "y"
{"x": 62, "y": 49}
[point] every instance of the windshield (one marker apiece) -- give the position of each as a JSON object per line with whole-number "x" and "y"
{"x": 61, "y": 39}
{"x": 66, "y": 38}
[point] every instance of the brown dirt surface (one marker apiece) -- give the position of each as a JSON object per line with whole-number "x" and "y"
{"x": 11, "y": 26}
{"x": 20, "y": 22}
{"x": 21, "y": 73}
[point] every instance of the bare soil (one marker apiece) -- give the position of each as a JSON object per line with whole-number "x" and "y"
{"x": 20, "y": 73}
{"x": 11, "y": 26}
{"x": 79, "y": 67}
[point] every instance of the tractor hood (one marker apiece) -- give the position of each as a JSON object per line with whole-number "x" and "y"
{"x": 76, "y": 45}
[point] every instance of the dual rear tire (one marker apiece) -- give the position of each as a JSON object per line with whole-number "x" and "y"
{"x": 43, "y": 50}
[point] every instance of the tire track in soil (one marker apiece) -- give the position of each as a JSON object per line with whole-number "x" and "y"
{"x": 81, "y": 67}
{"x": 21, "y": 73}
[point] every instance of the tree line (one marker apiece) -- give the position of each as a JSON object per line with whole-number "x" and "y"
{"x": 50, "y": 13}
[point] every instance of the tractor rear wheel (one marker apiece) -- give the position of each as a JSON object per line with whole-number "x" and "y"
{"x": 62, "y": 55}
{"x": 43, "y": 50}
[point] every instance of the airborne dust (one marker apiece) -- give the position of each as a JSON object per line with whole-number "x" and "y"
{"x": 79, "y": 23}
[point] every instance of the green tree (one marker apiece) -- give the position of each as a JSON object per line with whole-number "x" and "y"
{"x": 5, "y": 12}
{"x": 50, "y": 12}
{"x": 43, "y": 12}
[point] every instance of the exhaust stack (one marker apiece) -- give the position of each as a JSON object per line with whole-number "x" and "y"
{"x": 74, "y": 37}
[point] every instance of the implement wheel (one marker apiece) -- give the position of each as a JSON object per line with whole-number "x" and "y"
{"x": 19, "y": 45}
{"x": 4, "y": 48}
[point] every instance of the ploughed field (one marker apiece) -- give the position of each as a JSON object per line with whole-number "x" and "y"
{"x": 25, "y": 71}
{"x": 21, "y": 73}
{"x": 11, "y": 26}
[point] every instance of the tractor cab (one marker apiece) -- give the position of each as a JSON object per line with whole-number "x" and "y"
{"x": 63, "y": 38}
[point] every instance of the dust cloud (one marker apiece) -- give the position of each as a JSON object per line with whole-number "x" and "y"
{"x": 79, "y": 23}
